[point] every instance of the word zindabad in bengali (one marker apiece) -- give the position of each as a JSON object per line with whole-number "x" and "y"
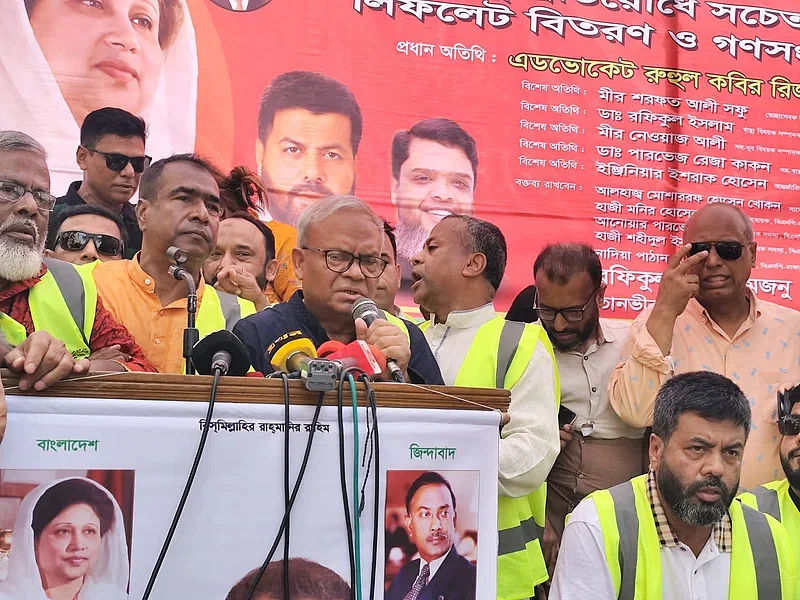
{"x": 419, "y": 452}
{"x": 242, "y": 425}
{"x": 67, "y": 445}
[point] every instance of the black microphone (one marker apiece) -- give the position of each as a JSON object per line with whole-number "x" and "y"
{"x": 366, "y": 309}
{"x": 221, "y": 352}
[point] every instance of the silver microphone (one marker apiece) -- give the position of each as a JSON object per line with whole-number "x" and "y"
{"x": 366, "y": 309}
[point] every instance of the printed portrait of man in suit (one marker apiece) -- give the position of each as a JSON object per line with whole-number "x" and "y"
{"x": 440, "y": 572}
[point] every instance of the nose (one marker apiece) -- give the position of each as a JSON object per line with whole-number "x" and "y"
{"x": 77, "y": 541}
{"x": 26, "y": 205}
{"x": 227, "y": 260}
{"x": 441, "y": 191}
{"x": 128, "y": 171}
{"x": 354, "y": 272}
{"x": 120, "y": 31}
{"x": 436, "y": 523}
{"x": 714, "y": 465}
{"x": 200, "y": 212}
{"x": 417, "y": 259}
{"x": 89, "y": 253}
{"x": 312, "y": 167}
{"x": 560, "y": 323}
{"x": 713, "y": 258}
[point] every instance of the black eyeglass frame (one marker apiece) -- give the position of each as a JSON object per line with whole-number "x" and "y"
{"x": 114, "y": 159}
{"x": 353, "y": 258}
{"x": 729, "y": 250}
{"x": 562, "y": 311}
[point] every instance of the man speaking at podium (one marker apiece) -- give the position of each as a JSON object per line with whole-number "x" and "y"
{"x": 338, "y": 260}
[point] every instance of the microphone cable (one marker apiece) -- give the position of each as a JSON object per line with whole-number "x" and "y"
{"x": 355, "y": 592}
{"x": 286, "y": 485}
{"x": 376, "y": 477}
{"x": 292, "y": 499}
{"x": 187, "y": 488}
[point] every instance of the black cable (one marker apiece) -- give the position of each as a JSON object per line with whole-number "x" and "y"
{"x": 187, "y": 488}
{"x": 296, "y": 489}
{"x": 343, "y": 481}
{"x": 286, "y": 486}
{"x": 377, "y": 473}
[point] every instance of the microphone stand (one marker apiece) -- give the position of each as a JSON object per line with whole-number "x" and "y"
{"x": 191, "y": 335}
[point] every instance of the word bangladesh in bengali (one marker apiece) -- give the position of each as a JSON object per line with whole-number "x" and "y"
{"x": 780, "y": 86}
{"x": 48, "y": 445}
{"x": 242, "y": 425}
{"x": 420, "y": 452}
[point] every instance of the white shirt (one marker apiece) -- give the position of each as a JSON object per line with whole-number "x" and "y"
{"x": 582, "y": 571}
{"x": 433, "y": 566}
{"x": 584, "y": 383}
{"x": 529, "y": 441}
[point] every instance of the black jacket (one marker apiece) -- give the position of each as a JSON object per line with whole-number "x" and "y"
{"x": 454, "y": 580}
{"x": 261, "y": 329}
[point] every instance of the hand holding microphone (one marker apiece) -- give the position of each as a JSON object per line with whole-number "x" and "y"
{"x": 386, "y": 337}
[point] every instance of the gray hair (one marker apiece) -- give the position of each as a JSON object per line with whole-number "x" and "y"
{"x": 325, "y": 208}
{"x": 16, "y": 141}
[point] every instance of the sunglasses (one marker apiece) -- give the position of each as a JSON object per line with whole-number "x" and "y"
{"x": 117, "y": 162}
{"x": 725, "y": 250}
{"x": 789, "y": 425}
{"x": 75, "y": 241}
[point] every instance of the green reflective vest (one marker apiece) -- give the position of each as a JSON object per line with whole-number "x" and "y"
{"x": 63, "y": 303}
{"x": 497, "y": 358}
{"x": 762, "y": 566}
{"x": 774, "y": 499}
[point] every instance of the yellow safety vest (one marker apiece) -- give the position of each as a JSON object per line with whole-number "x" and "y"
{"x": 63, "y": 303}
{"x": 774, "y": 499}
{"x": 762, "y": 566}
{"x": 220, "y": 310}
{"x": 399, "y": 322}
{"x": 497, "y": 358}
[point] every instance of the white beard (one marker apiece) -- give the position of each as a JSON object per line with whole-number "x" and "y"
{"x": 20, "y": 261}
{"x": 410, "y": 239}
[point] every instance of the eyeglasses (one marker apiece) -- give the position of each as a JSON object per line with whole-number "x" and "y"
{"x": 572, "y": 315}
{"x": 75, "y": 241}
{"x": 11, "y": 192}
{"x": 340, "y": 261}
{"x": 789, "y": 425}
{"x": 117, "y": 162}
{"x": 726, "y": 250}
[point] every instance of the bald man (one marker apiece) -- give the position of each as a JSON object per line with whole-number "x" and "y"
{"x": 706, "y": 318}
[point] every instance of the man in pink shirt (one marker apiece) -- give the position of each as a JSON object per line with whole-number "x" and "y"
{"x": 706, "y": 318}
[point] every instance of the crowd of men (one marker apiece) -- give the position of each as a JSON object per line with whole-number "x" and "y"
{"x": 645, "y": 432}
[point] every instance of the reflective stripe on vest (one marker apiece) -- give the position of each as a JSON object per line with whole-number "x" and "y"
{"x": 63, "y": 303}
{"x": 761, "y": 563}
{"x": 399, "y": 322}
{"x": 220, "y": 310}
{"x": 773, "y": 499}
{"x": 498, "y": 357}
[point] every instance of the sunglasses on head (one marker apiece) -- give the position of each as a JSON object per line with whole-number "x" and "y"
{"x": 725, "y": 250}
{"x": 117, "y": 162}
{"x": 75, "y": 241}
{"x": 789, "y": 425}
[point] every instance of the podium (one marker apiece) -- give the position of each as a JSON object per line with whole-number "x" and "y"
{"x": 134, "y": 436}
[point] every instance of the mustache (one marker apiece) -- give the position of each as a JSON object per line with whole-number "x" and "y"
{"x": 312, "y": 188}
{"x": 709, "y": 482}
{"x": 16, "y": 222}
{"x": 794, "y": 453}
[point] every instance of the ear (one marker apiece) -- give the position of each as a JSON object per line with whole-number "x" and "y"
{"x": 259, "y": 155}
{"x": 272, "y": 270}
{"x": 298, "y": 260}
{"x": 409, "y": 524}
{"x": 601, "y": 295}
{"x": 475, "y": 266}
{"x": 656, "y": 451}
{"x": 141, "y": 213}
{"x": 393, "y": 187}
{"x": 49, "y": 253}
{"x": 82, "y": 158}
{"x": 754, "y": 249}
{"x": 399, "y": 271}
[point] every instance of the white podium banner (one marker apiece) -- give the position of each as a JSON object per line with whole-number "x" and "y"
{"x": 89, "y": 488}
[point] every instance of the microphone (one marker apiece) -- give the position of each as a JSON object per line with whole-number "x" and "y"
{"x": 329, "y": 348}
{"x": 221, "y": 352}
{"x": 357, "y": 354}
{"x": 289, "y": 351}
{"x": 191, "y": 335}
{"x": 366, "y": 309}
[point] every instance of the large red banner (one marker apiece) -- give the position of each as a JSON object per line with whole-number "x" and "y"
{"x": 605, "y": 121}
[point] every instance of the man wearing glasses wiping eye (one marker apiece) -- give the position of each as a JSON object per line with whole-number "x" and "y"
{"x": 707, "y": 317}
{"x": 112, "y": 158}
